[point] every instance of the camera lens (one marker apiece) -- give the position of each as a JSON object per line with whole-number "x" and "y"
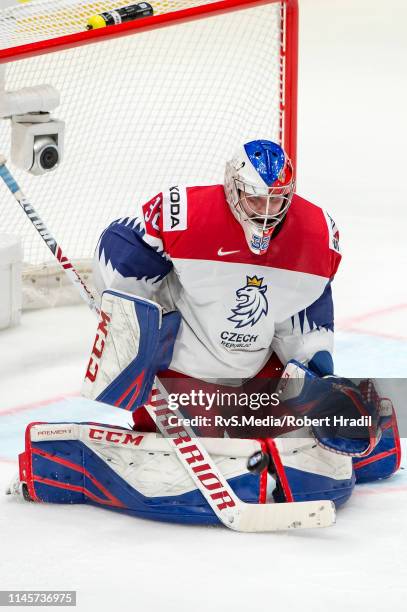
{"x": 46, "y": 156}
{"x": 49, "y": 157}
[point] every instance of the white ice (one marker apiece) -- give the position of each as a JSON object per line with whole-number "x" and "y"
{"x": 352, "y": 135}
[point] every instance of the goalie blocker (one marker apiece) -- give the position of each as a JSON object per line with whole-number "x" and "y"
{"x": 134, "y": 340}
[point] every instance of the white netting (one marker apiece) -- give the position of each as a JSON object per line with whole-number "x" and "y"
{"x": 44, "y": 19}
{"x": 143, "y": 112}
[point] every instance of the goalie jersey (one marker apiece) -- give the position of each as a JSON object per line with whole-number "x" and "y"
{"x": 185, "y": 250}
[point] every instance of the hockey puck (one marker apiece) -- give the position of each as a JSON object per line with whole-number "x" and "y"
{"x": 258, "y": 462}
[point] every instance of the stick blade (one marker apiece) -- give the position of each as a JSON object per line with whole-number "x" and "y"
{"x": 279, "y": 517}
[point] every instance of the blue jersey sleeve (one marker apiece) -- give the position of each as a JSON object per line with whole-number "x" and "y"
{"x": 128, "y": 258}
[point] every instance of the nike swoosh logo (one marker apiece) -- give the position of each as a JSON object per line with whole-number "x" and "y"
{"x": 221, "y": 252}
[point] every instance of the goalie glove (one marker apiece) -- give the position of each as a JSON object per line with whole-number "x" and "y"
{"x": 347, "y": 417}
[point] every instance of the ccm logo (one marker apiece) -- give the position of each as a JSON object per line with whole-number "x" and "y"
{"x": 118, "y": 437}
{"x": 98, "y": 347}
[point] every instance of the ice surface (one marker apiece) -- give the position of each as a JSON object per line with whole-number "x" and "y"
{"x": 351, "y": 137}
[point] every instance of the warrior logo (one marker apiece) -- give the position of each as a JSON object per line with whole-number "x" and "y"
{"x": 251, "y": 303}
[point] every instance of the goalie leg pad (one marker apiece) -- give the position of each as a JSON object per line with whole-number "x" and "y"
{"x": 306, "y": 472}
{"x": 134, "y": 340}
{"x": 127, "y": 471}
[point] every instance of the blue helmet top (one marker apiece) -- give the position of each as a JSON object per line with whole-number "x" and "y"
{"x": 268, "y": 159}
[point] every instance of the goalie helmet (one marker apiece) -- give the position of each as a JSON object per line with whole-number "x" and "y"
{"x": 259, "y": 186}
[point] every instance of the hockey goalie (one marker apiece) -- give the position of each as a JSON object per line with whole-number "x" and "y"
{"x": 216, "y": 287}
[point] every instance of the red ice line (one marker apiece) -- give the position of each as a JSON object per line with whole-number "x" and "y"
{"x": 41, "y": 403}
{"x": 361, "y": 491}
{"x": 350, "y": 323}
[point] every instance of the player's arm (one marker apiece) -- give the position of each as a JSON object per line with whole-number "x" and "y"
{"x": 130, "y": 254}
{"x": 308, "y": 336}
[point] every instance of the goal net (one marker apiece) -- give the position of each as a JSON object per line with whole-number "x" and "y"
{"x": 147, "y": 104}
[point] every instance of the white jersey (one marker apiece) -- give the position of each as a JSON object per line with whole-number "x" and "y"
{"x": 185, "y": 250}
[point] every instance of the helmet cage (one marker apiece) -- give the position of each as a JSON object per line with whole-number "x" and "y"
{"x": 262, "y": 221}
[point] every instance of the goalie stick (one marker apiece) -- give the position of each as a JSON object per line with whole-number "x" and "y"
{"x": 230, "y": 510}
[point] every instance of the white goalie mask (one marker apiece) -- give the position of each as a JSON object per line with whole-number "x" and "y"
{"x": 259, "y": 186}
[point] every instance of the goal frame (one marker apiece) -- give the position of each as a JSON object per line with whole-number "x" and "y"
{"x": 288, "y": 49}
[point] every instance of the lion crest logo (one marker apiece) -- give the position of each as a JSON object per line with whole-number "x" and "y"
{"x": 251, "y": 303}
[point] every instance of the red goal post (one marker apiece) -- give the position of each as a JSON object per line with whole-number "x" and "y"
{"x": 164, "y": 98}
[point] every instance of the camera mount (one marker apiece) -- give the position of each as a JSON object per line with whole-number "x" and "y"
{"x": 37, "y": 139}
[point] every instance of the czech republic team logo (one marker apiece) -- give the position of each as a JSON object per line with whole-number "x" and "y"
{"x": 251, "y": 303}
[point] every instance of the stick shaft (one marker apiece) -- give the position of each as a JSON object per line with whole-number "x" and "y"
{"x": 48, "y": 238}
